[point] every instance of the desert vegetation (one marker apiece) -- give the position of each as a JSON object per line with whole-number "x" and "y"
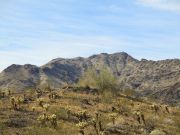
{"x": 94, "y": 106}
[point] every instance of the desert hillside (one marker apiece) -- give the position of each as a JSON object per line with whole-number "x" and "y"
{"x": 157, "y": 79}
{"x": 82, "y": 111}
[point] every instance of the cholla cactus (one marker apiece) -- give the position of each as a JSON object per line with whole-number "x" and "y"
{"x": 97, "y": 123}
{"x": 9, "y": 92}
{"x": 139, "y": 117}
{"x": 113, "y": 117}
{"x": 42, "y": 119}
{"x": 81, "y": 115}
{"x": 13, "y": 103}
{"x": 50, "y": 95}
{"x": 20, "y": 100}
{"x": 68, "y": 110}
{"x": 3, "y": 94}
{"x": 40, "y": 102}
{"x": 53, "y": 119}
{"x": 33, "y": 109}
{"x": 53, "y": 95}
{"x": 166, "y": 108}
{"x": 46, "y": 106}
{"x": 39, "y": 93}
{"x": 155, "y": 108}
{"x": 101, "y": 133}
{"x": 82, "y": 126}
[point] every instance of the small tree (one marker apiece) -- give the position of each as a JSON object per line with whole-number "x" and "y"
{"x": 103, "y": 80}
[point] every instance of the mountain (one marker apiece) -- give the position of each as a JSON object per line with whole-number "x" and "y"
{"x": 159, "y": 79}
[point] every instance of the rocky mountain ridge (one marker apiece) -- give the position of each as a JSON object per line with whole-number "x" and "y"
{"x": 160, "y": 79}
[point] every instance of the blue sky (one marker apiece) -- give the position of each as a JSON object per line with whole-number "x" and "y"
{"x": 36, "y": 31}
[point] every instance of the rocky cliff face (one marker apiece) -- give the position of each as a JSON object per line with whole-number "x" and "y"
{"x": 160, "y": 79}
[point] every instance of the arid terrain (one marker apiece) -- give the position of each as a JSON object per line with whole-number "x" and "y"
{"x": 157, "y": 79}
{"x": 83, "y": 111}
{"x": 106, "y": 94}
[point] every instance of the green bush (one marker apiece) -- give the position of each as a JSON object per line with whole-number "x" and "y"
{"x": 104, "y": 80}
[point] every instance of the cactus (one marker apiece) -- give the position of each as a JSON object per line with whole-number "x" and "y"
{"x": 40, "y": 102}
{"x": 38, "y": 93}
{"x": 82, "y": 126}
{"x": 113, "y": 117}
{"x": 53, "y": 119}
{"x": 81, "y": 115}
{"x": 155, "y": 108}
{"x": 97, "y": 123}
{"x": 46, "y": 106}
{"x": 9, "y": 92}
{"x": 13, "y": 103}
{"x": 167, "y": 109}
{"x": 20, "y": 100}
{"x": 68, "y": 110}
{"x": 3, "y": 94}
{"x": 140, "y": 117}
{"x": 33, "y": 109}
{"x": 42, "y": 119}
{"x": 50, "y": 95}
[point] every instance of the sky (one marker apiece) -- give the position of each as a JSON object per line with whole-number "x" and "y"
{"x": 37, "y": 31}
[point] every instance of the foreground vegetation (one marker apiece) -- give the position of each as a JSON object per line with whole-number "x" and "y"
{"x": 89, "y": 109}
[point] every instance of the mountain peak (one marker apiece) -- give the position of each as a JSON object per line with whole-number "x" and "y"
{"x": 145, "y": 76}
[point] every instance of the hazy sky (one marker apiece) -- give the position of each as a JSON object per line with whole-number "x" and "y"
{"x": 36, "y": 31}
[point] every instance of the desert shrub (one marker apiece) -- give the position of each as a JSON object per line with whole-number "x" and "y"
{"x": 88, "y": 78}
{"x": 151, "y": 123}
{"x": 2, "y": 128}
{"x": 107, "y": 97}
{"x": 16, "y": 122}
{"x": 130, "y": 92}
{"x": 104, "y": 80}
{"x": 60, "y": 112}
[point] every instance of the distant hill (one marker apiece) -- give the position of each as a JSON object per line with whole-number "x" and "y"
{"x": 159, "y": 79}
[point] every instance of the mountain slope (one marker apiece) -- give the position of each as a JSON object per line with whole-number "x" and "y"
{"x": 153, "y": 78}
